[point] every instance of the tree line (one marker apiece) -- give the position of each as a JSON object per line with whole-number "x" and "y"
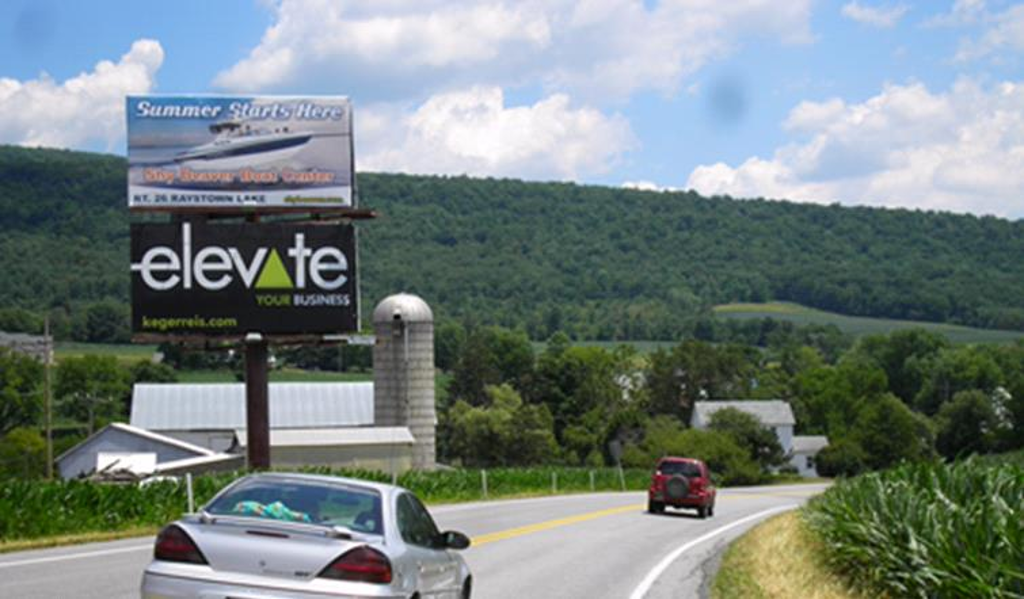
{"x": 591, "y": 262}
{"x": 907, "y": 396}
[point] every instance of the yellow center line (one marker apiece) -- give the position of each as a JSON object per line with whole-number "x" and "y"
{"x": 532, "y": 528}
{"x": 512, "y": 533}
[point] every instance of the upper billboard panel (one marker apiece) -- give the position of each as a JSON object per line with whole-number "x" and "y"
{"x": 234, "y": 152}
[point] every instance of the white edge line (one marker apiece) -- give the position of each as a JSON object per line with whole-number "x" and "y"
{"x": 58, "y": 558}
{"x": 645, "y": 585}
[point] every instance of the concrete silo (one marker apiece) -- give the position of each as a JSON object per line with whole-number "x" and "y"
{"x": 403, "y": 371}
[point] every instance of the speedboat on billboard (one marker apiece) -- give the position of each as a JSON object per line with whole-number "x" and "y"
{"x": 237, "y": 138}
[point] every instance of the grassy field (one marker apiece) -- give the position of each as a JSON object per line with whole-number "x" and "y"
{"x": 124, "y": 353}
{"x": 643, "y": 347}
{"x": 281, "y": 375}
{"x": 861, "y": 325}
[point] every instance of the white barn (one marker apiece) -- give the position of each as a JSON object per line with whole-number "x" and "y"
{"x": 311, "y": 424}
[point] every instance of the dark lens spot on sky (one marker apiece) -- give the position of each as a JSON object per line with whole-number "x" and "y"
{"x": 33, "y": 27}
{"x": 727, "y": 100}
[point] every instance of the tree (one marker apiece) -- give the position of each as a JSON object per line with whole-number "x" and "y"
{"x": 449, "y": 336}
{"x": 694, "y": 371}
{"x": 23, "y": 454}
{"x": 21, "y": 380}
{"x": 843, "y": 457}
{"x": 890, "y": 433}
{"x": 502, "y": 432}
{"x": 92, "y": 386}
{"x": 905, "y": 356}
{"x": 954, "y": 370}
{"x": 759, "y": 441}
{"x": 967, "y": 424}
{"x": 665, "y": 435}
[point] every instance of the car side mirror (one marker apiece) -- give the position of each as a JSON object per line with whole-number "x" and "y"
{"x": 454, "y": 540}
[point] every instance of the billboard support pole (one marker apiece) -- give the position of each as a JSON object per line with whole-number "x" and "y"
{"x": 257, "y": 413}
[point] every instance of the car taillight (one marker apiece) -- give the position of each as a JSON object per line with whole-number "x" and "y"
{"x": 174, "y": 545}
{"x": 362, "y": 564}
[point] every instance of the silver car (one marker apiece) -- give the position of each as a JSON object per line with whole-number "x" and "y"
{"x": 286, "y": 536}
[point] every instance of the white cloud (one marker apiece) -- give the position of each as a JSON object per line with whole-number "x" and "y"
{"x": 964, "y": 12}
{"x": 962, "y": 150}
{"x": 473, "y": 132}
{"x": 875, "y": 16}
{"x": 1004, "y": 32}
{"x": 404, "y": 48}
{"x": 84, "y": 109}
{"x": 643, "y": 186}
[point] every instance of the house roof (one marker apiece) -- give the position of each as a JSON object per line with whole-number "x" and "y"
{"x": 138, "y": 432}
{"x": 176, "y": 466}
{"x": 221, "y": 406}
{"x": 809, "y": 444}
{"x": 310, "y": 437}
{"x": 771, "y": 412}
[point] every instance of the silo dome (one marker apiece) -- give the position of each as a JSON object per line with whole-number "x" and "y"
{"x": 410, "y": 307}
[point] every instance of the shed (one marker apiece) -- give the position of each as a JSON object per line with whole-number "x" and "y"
{"x": 121, "y": 443}
{"x": 805, "y": 450}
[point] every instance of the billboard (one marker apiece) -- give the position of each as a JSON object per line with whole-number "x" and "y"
{"x": 191, "y": 278}
{"x": 235, "y": 152}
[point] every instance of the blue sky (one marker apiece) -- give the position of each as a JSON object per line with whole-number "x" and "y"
{"x": 893, "y": 103}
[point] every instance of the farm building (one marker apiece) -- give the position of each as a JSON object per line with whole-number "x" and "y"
{"x": 311, "y": 424}
{"x": 119, "y": 447}
{"x": 776, "y": 415}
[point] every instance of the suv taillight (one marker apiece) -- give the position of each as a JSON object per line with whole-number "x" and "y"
{"x": 362, "y": 564}
{"x": 174, "y": 545}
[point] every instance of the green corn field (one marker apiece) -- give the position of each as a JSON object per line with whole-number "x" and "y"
{"x": 32, "y": 509}
{"x": 928, "y": 530}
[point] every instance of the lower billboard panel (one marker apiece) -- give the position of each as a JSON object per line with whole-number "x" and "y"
{"x": 232, "y": 279}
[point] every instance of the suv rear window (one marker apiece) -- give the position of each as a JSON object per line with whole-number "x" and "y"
{"x": 685, "y": 468}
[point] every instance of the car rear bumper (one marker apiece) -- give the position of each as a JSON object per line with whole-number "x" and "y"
{"x": 177, "y": 586}
{"x": 697, "y": 500}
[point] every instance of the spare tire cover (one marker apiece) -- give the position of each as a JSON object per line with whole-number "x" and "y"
{"x": 677, "y": 487}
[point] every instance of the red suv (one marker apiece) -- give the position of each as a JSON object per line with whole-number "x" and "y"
{"x": 681, "y": 482}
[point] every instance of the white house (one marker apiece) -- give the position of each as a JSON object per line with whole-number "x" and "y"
{"x": 776, "y": 415}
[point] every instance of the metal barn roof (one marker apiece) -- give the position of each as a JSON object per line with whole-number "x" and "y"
{"x": 771, "y": 412}
{"x": 221, "y": 406}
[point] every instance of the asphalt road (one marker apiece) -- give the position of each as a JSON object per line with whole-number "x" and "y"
{"x": 588, "y": 546}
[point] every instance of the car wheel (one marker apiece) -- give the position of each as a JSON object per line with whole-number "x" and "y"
{"x": 711, "y": 510}
{"x": 702, "y": 511}
{"x": 467, "y": 589}
{"x": 655, "y": 507}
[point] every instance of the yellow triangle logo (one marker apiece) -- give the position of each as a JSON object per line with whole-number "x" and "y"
{"x": 274, "y": 275}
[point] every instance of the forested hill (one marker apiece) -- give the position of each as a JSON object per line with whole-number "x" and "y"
{"x": 601, "y": 263}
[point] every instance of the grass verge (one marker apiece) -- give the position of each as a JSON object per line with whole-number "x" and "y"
{"x": 779, "y": 558}
{"x": 76, "y": 539}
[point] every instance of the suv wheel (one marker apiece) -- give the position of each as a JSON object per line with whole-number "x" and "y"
{"x": 655, "y": 507}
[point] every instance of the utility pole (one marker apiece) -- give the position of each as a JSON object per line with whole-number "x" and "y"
{"x": 48, "y": 397}
{"x": 257, "y": 417}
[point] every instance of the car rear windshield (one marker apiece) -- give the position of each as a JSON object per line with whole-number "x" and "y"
{"x": 299, "y": 501}
{"x": 683, "y": 468}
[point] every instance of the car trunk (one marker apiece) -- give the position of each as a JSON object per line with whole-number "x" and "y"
{"x": 267, "y": 548}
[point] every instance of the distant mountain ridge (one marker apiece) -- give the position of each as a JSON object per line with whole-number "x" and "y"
{"x": 598, "y": 262}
